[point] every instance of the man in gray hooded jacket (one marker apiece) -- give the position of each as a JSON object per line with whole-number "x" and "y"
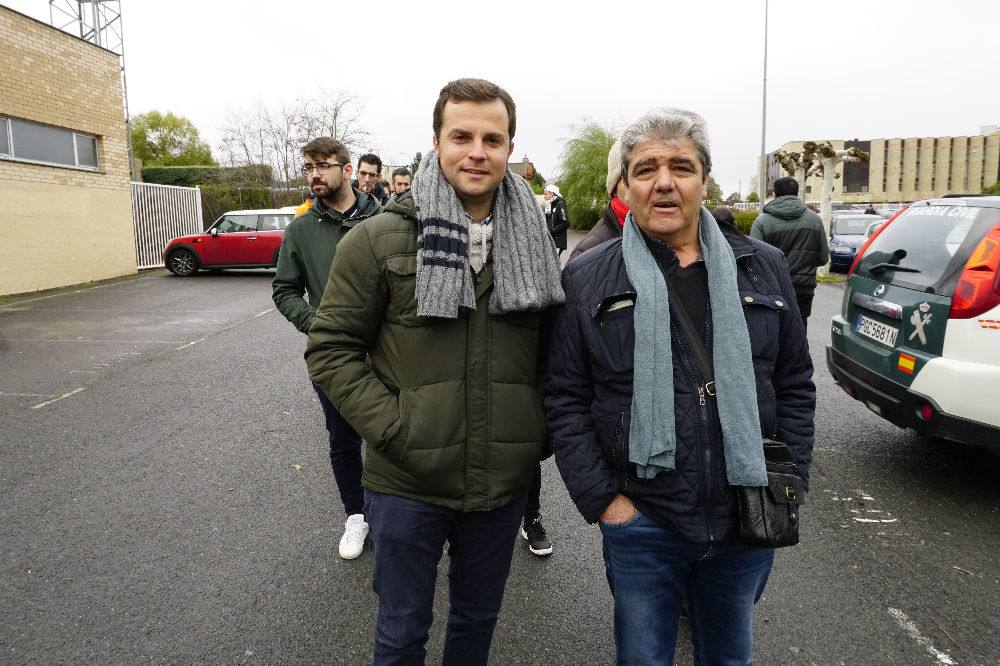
{"x": 788, "y": 225}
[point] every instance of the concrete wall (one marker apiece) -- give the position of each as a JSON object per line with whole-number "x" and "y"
{"x": 62, "y": 225}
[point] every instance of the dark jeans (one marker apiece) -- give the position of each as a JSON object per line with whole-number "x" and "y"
{"x": 345, "y": 456}
{"x": 533, "y": 507}
{"x": 649, "y": 568}
{"x": 407, "y": 538}
{"x": 805, "y": 302}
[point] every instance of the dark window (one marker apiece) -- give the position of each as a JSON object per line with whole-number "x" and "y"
{"x": 232, "y": 224}
{"x": 274, "y": 222}
{"x": 934, "y": 240}
{"x": 856, "y": 173}
{"x": 86, "y": 151}
{"x": 41, "y": 143}
{"x": 35, "y": 142}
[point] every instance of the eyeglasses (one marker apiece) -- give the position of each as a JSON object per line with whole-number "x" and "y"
{"x": 320, "y": 167}
{"x": 367, "y": 174}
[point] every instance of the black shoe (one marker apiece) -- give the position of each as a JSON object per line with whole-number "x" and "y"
{"x": 534, "y": 533}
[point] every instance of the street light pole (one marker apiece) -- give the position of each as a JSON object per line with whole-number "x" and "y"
{"x": 762, "y": 176}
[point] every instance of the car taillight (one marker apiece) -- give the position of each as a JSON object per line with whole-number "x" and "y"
{"x": 978, "y": 288}
{"x": 861, "y": 252}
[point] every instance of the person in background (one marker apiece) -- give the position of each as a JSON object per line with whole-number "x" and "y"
{"x": 556, "y": 216}
{"x": 401, "y": 179}
{"x": 307, "y": 250}
{"x": 787, "y": 224}
{"x": 724, "y": 214}
{"x": 369, "y": 175}
{"x": 613, "y": 219}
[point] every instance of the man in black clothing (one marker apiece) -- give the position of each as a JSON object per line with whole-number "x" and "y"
{"x": 369, "y": 173}
{"x": 556, "y": 216}
{"x": 788, "y": 225}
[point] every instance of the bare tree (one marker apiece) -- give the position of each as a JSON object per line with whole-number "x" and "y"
{"x": 799, "y": 165}
{"x": 273, "y": 135}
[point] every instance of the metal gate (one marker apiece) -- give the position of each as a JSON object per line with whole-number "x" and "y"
{"x": 159, "y": 213}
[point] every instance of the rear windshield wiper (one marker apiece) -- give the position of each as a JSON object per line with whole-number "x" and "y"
{"x": 895, "y": 267}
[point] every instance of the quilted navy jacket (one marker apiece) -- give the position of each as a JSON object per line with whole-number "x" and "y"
{"x": 588, "y": 390}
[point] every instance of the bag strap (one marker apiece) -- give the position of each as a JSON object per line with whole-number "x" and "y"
{"x": 701, "y": 356}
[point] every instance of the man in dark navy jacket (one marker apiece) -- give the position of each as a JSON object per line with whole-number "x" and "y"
{"x": 647, "y": 445}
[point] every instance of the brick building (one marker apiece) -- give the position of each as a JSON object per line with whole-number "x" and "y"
{"x": 65, "y": 199}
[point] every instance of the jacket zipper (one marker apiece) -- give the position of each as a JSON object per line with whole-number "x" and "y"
{"x": 695, "y": 375}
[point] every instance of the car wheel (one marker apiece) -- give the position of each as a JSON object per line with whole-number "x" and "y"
{"x": 182, "y": 263}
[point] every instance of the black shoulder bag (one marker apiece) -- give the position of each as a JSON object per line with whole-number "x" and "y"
{"x": 769, "y": 516}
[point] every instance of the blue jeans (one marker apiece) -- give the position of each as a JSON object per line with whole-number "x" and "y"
{"x": 649, "y": 568}
{"x": 345, "y": 456}
{"x": 407, "y": 538}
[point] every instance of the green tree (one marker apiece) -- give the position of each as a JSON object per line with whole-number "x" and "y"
{"x": 992, "y": 189}
{"x": 733, "y": 198}
{"x": 753, "y": 197}
{"x": 537, "y": 183}
{"x": 714, "y": 192}
{"x": 416, "y": 163}
{"x": 583, "y": 168}
{"x": 167, "y": 140}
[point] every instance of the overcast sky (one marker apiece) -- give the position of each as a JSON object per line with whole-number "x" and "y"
{"x": 837, "y": 70}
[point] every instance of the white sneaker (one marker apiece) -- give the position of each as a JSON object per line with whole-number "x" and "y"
{"x": 353, "y": 541}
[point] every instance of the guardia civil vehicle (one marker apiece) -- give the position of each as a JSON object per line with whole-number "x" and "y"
{"x": 918, "y": 337}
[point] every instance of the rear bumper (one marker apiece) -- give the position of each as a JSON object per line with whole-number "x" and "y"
{"x": 901, "y": 406}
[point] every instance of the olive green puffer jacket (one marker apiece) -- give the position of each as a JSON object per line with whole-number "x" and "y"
{"x": 449, "y": 408}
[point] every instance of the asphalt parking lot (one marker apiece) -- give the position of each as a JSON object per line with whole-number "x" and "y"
{"x": 168, "y": 498}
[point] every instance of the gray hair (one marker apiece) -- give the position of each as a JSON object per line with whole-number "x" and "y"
{"x": 668, "y": 125}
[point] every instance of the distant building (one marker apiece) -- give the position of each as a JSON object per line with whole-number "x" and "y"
{"x": 901, "y": 170}
{"x": 65, "y": 198}
{"x": 524, "y": 168}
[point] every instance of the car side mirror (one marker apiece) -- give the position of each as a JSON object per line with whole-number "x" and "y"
{"x": 214, "y": 232}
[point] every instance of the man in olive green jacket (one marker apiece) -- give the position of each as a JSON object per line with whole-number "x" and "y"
{"x": 427, "y": 340}
{"x": 307, "y": 250}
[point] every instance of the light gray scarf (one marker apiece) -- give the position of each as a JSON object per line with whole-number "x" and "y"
{"x": 526, "y": 273}
{"x": 652, "y": 436}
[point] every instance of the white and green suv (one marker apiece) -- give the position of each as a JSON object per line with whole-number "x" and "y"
{"x": 918, "y": 337}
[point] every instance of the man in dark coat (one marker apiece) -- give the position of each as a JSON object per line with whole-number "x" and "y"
{"x": 556, "y": 216}
{"x": 613, "y": 218}
{"x": 647, "y": 444}
{"x": 788, "y": 225}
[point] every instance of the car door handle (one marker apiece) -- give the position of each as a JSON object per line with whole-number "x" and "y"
{"x": 251, "y": 238}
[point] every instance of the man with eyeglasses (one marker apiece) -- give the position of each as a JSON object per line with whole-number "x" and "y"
{"x": 369, "y": 174}
{"x": 304, "y": 260}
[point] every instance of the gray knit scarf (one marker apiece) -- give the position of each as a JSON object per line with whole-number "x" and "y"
{"x": 526, "y": 273}
{"x": 652, "y": 436}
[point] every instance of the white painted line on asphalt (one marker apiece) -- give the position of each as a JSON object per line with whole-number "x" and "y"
{"x": 874, "y": 520}
{"x": 910, "y": 627}
{"x": 58, "y": 398}
{"x": 222, "y": 330}
{"x": 193, "y": 342}
{"x": 23, "y": 395}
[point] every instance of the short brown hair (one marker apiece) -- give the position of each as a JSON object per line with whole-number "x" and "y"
{"x": 474, "y": 90}
{"x": 323, "y": 146}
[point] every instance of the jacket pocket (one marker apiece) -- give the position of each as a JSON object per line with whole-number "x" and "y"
{"x": 395, "y": 446}
{"x": 401, "y": 276}
{"x": 763, "y": 314}
{"x": 615, "y": 335}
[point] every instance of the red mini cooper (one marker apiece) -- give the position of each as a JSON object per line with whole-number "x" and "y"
{"x": 238, "y": 239}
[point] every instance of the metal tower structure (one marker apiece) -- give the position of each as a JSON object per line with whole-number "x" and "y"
{"x": 98, "y": 22}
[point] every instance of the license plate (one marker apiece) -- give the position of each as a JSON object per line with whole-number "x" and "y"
{"x": 876, "y": 330}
